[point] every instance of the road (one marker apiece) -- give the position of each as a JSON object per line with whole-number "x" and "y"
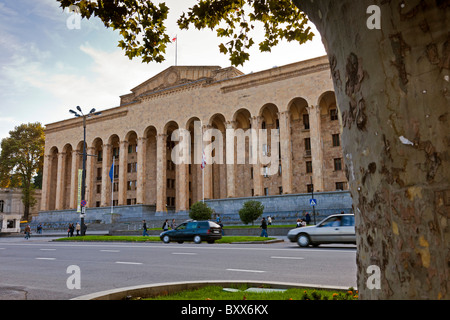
{"x": 38, "y": 268}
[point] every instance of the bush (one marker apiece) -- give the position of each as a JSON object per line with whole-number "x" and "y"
{"x": 251, "y": 210}
{"x": 200, "y": 211}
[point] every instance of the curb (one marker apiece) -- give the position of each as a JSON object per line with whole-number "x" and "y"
{"x": 151, "y": 290}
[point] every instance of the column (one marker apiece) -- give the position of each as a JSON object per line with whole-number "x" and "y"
{"x": 141, "y": 169}
{"x": 89, "y": 196}
{"x": 257, "y": 169}
{"x": 106, "y": 182}
{"x": 286, "y": 152}
{"x": 207, "y": 170}
{"x": 45, "y": 182}
{"x": 230, "y": 159}
{"x": 123, "y": 159}
{"x": 60, "y": 182}
{"x": 161, "y": 167}
{"x": 74, "y": 180}
{"x": 316, "y": 147}
{"x": 182, "y": 171}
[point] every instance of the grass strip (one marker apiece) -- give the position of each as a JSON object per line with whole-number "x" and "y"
{"x": 217, "y": 293}
{"x": 100, "y": 238}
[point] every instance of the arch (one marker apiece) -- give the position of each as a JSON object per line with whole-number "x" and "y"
{"x": 218, "y": 121}
{"x": 242, "y": 118}
{"x": 327, "y": 102}
{"x": 297, "y": 107}
{"x": 269, "y": 112}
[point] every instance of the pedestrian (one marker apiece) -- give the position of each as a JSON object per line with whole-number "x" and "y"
{"x": 27, "y": 232}
{"x": 307, "y": 218}
{"x": 173, "y": 225}
{"x": 166, "y": 225}
{"x": 299, "y": 223}
{"x": 263, "y": 227}
{"x": 269, "y": 220}
{"x": 144, "y": 226}
{"x": 78, "y": 229}
{"x": 70, "y": 230}
{"x": 39, "y": 228}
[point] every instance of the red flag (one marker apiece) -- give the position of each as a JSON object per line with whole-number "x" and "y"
{"x": 174, "y": 39}
{"x": 203, "y": 165}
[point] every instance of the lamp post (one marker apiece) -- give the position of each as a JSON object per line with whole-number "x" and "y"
{"x": 83, "y": 175}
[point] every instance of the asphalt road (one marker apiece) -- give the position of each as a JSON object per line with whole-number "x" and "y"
{"x": 38, "y": 268}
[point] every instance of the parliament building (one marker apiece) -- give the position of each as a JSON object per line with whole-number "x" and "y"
{"x": 296, "y": 102}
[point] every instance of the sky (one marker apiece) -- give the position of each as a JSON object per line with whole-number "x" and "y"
{"x": 47, "y": 68}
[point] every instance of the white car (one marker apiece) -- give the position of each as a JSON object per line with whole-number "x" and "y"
{"x": 339, "y": 228}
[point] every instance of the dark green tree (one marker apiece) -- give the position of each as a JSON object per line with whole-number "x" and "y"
{"x": 251, "y": 210}
{"x": 200, "y": 211}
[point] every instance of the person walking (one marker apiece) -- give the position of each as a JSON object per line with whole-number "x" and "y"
{"x": 27, "y": 232}
{"x": 144, "y": 226}
{"x": 173, "y": 225}
{"x": 263, "y": 227}
{"x": 307, "y": 218}
{"x": 78, "y": 229}
{"x": 166, "y": 225}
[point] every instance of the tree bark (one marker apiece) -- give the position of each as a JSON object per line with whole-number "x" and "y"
{"x": 392, "y": 88}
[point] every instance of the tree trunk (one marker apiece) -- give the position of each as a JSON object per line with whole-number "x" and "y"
{"x": 392, "y": 87}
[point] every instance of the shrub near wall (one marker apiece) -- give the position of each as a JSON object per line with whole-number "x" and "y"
{"x": 251, "y": 210}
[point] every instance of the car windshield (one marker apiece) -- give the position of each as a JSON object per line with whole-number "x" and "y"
{"x": 331, "y": 222}
{"x": 181, "y": 226}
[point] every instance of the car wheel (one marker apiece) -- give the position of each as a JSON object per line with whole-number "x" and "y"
{"x": 303, "y": 240}
{"x": 197, "y": 239}
{"x": 166, "y": 239}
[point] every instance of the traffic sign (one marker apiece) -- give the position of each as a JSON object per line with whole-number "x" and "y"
{"x": 83, "y": 203}
{"x": 312, "y": 202}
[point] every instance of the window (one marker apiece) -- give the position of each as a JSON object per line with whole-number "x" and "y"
{"x": 309, "y": 188}
{"x": 131, "y": 185}
{"x": 2, "y": 205}
{"x": 337, "y": 164}
{"x": 306, "y": 121}
{"x": 251, "y": 173}
{"x": 131, "y": 201}
{"x": 266, "y": 171}
{"x": 266, "y": 191}
{"x": 97, "y": 204}
{"x": 115, "y": 186}
{"x": 279, "y": 169}
{"x": 116, "y": 152}
{"x": 280, "y": 190}
{"x": 100, "y": 156}
{"x": 333, "y": 114}
{"x": 340, "y": 186}
{"x": 336, "y": 140}
{"x": 308, "y": 146}
{"x": 132, "y": 148}
{"x": 309, "y": 168}
{"x": 115, "y": 203}
{"x": 99, "y": 174}
{"x": 99, "y": 188}
{"x": 132, "y": 167}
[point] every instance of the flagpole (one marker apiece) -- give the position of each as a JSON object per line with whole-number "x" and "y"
{"x": 203, "y": 169}
{"x": 176, "y": 49}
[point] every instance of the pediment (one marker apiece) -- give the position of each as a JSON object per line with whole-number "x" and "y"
{"x": 174, "y": 76}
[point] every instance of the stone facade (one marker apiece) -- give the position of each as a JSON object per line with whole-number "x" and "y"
{"x": 295, "y": 101}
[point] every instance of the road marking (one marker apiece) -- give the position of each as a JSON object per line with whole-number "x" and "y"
{"x": 45, "y": 258}
{"x": 243, "y": 270}
{"x": 186, "y": 253}
{"x": 295, "y": 258}
{"x": 47, "y": 249}
{"x": 110, "y": 250}
{"x": 125, "y": 262}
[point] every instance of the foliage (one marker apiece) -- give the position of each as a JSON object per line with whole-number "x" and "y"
{"x": 200, "y": 211}
{"x": 251, "y": 210}
{"x": 142, "y": 24}
{"x": 21, "y": 157}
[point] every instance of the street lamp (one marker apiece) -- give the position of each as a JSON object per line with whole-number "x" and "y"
{"x": 83, "y": 175}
